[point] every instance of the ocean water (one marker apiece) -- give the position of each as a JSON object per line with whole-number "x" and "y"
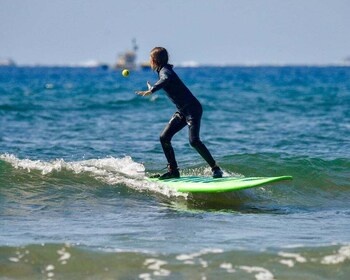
{"x": 76, "y": 143}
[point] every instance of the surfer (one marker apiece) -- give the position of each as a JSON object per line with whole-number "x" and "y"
{"x": 189, "y": 113}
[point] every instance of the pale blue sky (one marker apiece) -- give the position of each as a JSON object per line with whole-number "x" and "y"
{"x": 206, "y": 31}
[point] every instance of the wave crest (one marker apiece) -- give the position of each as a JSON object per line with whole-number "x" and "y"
{"x": 112, "y": 171}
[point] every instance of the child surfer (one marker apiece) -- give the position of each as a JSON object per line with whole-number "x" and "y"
{"x": 189, "y": 113}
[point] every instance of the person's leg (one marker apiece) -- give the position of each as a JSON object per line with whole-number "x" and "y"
{"x": 176, "y": 123}
{"x": 195, "y": 142}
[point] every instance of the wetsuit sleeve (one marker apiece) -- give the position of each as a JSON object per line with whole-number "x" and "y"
{"x": 164, "y": 79}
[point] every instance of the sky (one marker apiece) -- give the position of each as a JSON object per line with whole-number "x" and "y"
{"x": 224, "y": 32}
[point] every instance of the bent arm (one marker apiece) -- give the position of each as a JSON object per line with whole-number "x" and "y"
{"x": 164, "y": 78}
{"x": 163, "y": 81}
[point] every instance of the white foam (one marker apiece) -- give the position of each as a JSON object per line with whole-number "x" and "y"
{"x": 206, "y": 171}
{"x": 155, "y": 265}
{"x": 228, "y": 267}
{"x": 295, "y": 256}
{"x": 342, "y": 255}
{"x": 19, "y": 256}
{"x": 145, "y": 276}
{"x": 96, "y": 166}
{"x": 203, "y": 263}
{"x": 261, "y": 273}
{"x": 189, "y": 257}
{"x": 50, "y": 267}
{"x": 109, "y": 170}
{"x": 64, "y": 255}
{"x": 289, "y": 263}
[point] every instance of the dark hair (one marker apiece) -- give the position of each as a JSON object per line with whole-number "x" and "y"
{"x": 159, "y": 57}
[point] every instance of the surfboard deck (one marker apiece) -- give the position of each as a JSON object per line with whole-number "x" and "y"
{"x": 202, "y": 184}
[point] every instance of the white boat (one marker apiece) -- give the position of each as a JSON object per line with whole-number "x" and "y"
{"x": 7, "y": 62}
{"x": 128, "y": 58}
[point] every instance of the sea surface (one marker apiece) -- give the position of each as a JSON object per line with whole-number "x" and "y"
{"x": 76, "y": 144}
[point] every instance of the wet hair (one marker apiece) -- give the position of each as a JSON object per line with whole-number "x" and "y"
{"x": 159, "y": 57}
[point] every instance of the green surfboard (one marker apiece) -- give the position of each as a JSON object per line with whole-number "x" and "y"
{"x": 202, "y": 184}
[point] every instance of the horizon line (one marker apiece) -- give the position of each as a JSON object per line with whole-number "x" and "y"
{"x": 183, "y": 65}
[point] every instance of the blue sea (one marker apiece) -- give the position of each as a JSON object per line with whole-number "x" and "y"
{"x": 77, "y": 143}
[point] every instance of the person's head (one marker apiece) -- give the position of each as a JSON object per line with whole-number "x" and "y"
{"x": 159, "y": 58}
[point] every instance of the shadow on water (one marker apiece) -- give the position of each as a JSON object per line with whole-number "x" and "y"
{"x": 243, "y": 201}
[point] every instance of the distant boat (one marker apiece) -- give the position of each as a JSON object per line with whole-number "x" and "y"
{"x": 145, "y": 66}
{"x": 8, "y": 62}
{"x": 128, "y": 58}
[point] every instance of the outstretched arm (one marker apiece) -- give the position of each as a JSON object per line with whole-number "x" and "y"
{"x": 146, "y": 92}
{"x": 163, "y": 80}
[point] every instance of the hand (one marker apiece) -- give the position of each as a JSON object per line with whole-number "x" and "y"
{"x": 144, "y": 93}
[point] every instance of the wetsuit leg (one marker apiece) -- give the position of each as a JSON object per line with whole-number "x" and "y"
{"x": 176, "y": 123}
{"x": 193, "y": 123}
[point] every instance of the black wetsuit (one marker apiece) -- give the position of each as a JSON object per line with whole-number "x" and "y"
{"x": 189, "y": 113}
